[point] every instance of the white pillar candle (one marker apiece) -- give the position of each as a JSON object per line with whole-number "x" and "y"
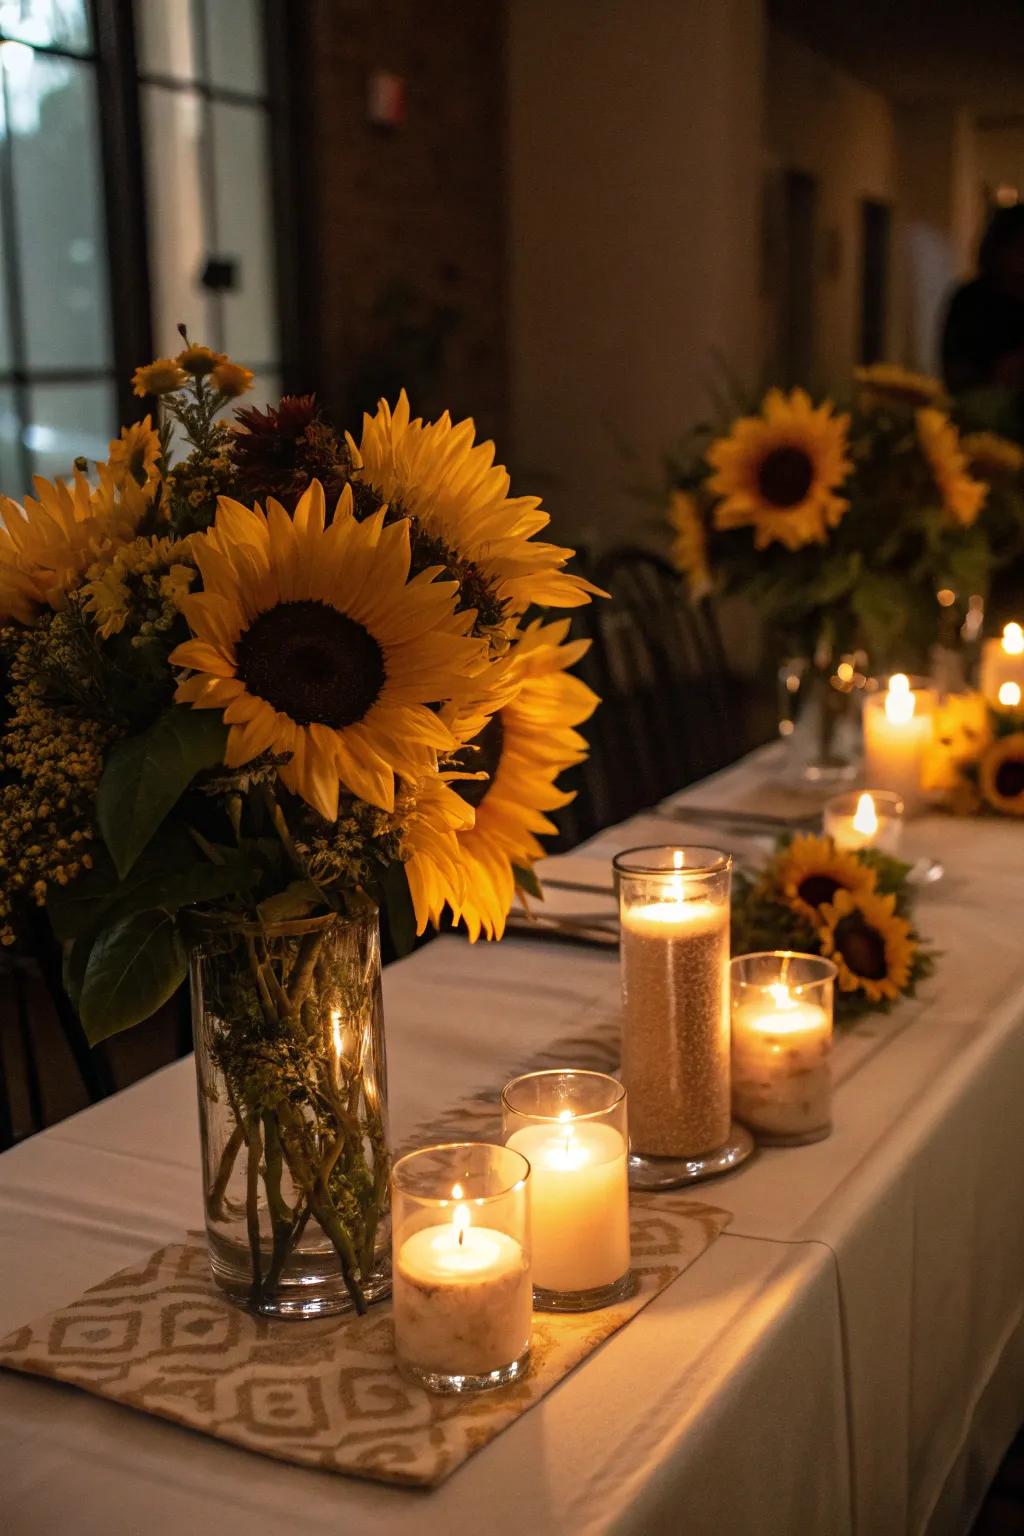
{"x": 463, "y": 1298}
{"x": 897, "y": 731}
{"x": 874, "y": 821}
{"x": 1002, "y": 665}
{"x": 675, "y": 1039}
{"x": 579, "y": 1203}
{"x": 781, "y": 1076}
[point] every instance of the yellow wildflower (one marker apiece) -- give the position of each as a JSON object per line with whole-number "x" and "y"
{"x": 198, "y": 360}
{"x": 161, "y": 377}
{"x": 231, "y": 379}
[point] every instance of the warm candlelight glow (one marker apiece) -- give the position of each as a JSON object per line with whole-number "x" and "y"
{"x": 865, "y": 820}
{"x": 781, "y": 1039}
{"x": 1013, "y": 640}
{"x": 899, "y": 701}
{"x": 1009, "y": 695}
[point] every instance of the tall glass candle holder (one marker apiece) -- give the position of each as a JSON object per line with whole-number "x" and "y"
{"x": 674, "y": 921}
{"x": 782, "y": 1046}
{"x": 461, "y": 1283}
{"x": 571, "y": 1126}
{"x": 898, "y": 723}
{"x": 865, "y": 818}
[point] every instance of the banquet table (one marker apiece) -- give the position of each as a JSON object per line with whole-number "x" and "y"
{"x": 848, "y": 1357}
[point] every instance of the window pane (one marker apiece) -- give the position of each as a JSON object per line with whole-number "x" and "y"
{"x": 173, "y": 123}
{"x": 166, "y": 39}
{"x": 10, "y": 454}
{"x": 58, "y": 208}
{"x": 234, "y": 40}
{"x": 67, "y": 421}
{"x": 244, "y": 231}
{"x": 6, "y": 360}
{"x": 54, "y": 23}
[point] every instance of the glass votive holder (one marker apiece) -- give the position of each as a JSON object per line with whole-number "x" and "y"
{"x": 865, "y": 818}
{"x": 782, "y": 1046}
{"x": 674, "y": 925}
{"x": 898, "y": 725}
{"x": 462, "y": 1287}
{"x": 571, "y": 1127}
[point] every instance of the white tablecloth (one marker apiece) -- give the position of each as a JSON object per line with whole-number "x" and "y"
{"x": 848, "y": 1357}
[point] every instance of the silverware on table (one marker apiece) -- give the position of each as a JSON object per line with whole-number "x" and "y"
{"x": 540, "y": 926}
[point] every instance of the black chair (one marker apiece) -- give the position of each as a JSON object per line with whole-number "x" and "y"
{"x": 672, "y": 710}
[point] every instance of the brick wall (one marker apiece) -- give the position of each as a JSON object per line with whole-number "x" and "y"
{"x": 406, "y": 224}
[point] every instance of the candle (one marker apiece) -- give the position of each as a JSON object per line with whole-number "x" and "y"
{"x": 571, "y": 1128}
{"x": 1009, "y": 695}
{"x": 675, "y": 1042}
{"x": 781, "y": 1047}
{"x": 865, "y": 819}
{"x": 1002, "y": 664}
{"x": 461, "y": 1281}
{"x": 897, "y": 731}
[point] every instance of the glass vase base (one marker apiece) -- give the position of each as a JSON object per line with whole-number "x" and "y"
{"x": 319, "y": 1291}
{"x": 793, "y": 1138}
{"x": 451, "y": 1385}
{"x": 585, "y": 1301}
{"x": 654, "y": 1173}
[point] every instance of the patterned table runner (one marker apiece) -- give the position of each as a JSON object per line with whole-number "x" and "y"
{"x": 161, "y": 1338}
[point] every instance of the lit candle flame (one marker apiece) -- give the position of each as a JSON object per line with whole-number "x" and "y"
{"x": 780, "y": 993}
{"x": 461, "y": 1216}
{"x": 677, "y": 859}
{"x": 1013, "y": 640}
{"x": 336, "y": 1031}
{"x": 865, "y": 820}
{"x": 1009, "y": 695}
{"x": 899, "y": 701}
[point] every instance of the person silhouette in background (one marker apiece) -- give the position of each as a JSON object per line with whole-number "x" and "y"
{"x": 983, "y": 336}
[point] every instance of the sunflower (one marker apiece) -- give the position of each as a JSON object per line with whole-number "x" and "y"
{"x": 458, "y": 496}
{"x": 962, "y": 496}
{"x": 1001, "y": 774}
{"x": 314, "y": 642}
{"x": 813, "y": 871}
{"x": 778, "y": 471}
{"x": 873, "y": 948}
{"x": 162, "y": 377}
{"x": 690, "y": 545}
{"x": 435, "y": 867}
{"x": 135, "y": 455}
{"x": 48, "y": 542}
{"x": 521, "y": 747}
{"x": 231, "y": 379}
{"x": 988, "y": 454}
{"x": 883, "y": 384}
{"x": 962, "y": 731}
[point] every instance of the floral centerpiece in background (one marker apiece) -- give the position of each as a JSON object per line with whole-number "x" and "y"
{"x": 251, "y": 696}
{"x": 848, "y": 531}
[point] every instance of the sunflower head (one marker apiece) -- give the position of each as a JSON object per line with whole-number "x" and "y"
{"x": 163, "y": 377}
{"x": 1001, "y": 775}
{"x": 990, "y": 455}
{"x": 872, "y": 946}
{"x": 690, "y": 544}
{"x": 883, "y": 385}
{"x": 812, "y": 871}
{"x": 778, "y": 472}
{"x": 314, "y": 643}
{"x": 962, "y": 496}
{"x": 231, "y": 379}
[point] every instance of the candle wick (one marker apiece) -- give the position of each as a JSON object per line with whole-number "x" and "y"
{"x": 462, "y": 1233}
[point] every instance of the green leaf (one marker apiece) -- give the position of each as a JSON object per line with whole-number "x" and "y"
{"x": 169, "y": 874}
{"x": 401, "y": 915}
{"x": 296, "y": 900}
{"x": 146, "y": 775}
{"x": 76, "y": 958}
{"x": 133, "y": 968}
{"x": 526, "y": 880}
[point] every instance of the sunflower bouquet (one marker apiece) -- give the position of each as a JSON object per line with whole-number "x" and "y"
{"x": 843, "y": 527}
{"x": 252, "y": 694}
{"x": 852, "y": 907}
{"x": 975, "y": 762}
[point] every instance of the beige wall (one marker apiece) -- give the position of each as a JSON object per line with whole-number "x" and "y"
{"x": 824, "y": 122}
{"x": 634, "y": 136}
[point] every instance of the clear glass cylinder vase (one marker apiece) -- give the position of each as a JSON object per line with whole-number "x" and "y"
{"x": 819, "y": 716}
{"x": 289, "y": 1042}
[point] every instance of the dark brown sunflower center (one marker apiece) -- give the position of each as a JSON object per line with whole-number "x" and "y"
{"x": 482, "y": 755}
{"x": 862, "y": 947}
{"x": 314, "y": 664}
{"x": 816, "y": 890}
{"x": 1010, "y": 778}
{"x": 785, "y": 476}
